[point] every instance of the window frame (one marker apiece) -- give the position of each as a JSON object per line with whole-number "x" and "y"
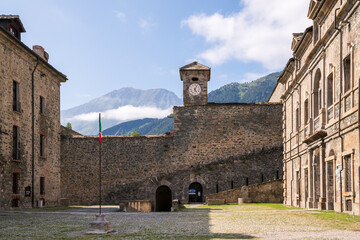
{"x": 16, "y": 96}
{"x": 16, "y": 143}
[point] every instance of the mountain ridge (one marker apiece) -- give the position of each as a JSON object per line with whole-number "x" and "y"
{"x": 258, "y": 90}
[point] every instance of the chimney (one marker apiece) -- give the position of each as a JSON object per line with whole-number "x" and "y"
{"x": 39, "y": 50}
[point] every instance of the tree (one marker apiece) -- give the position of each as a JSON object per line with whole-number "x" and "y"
{"x": 68, "y": 125}
{"x": 134, "y": 133}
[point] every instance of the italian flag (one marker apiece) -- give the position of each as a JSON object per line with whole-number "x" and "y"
{"x": 100, "y": 127}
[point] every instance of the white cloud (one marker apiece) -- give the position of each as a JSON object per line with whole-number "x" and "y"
{"x": 261, "y": 32}
{"x": 121, "y": 16}
{"x": 85, "y": 95}
{"x": 124, "y": 113}
{"x": 248, "y": 77}
{"x": 145, "y": 25}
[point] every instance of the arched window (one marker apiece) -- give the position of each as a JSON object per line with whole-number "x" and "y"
{"x": 317, "y": 93}
{"x": 330, "y": 93}
{"x": 306, "y": 111}
{"x": 347, "y": 74}
{"x": 297, "y": 119}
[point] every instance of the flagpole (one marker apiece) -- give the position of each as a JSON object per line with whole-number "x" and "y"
{"x": 100, "y": 225}
{"x": 100, "y": 163}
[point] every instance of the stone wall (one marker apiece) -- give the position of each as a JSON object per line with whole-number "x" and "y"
{"x": 267, "y": 192}
{"x": 213, "y": 145}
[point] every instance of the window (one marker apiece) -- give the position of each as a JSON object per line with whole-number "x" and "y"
{"x": 16, "y": 103}
{"x": 316, "y": 31}
{"x": 317, "y": 93}
{"x": 306, "y": 111}
{"x": 330, "y": 94}
{"x": 298, "y": 183}
{"x": 232, "y": 184}
{"x": 42, "y": 185}
{"x": 195, "y": 79}
{"x": 42, "y": 145}
{"x": 217, "y": 188}
{"x": 42, "y": 105}
{"x": 348, "y": 186}
{"x": 16, "y": 178}
{"x": 16, "y": 143}
{"x": 297, "y": 119}
{"x": 348, "y": 205}
{"x": 347, "y": 74}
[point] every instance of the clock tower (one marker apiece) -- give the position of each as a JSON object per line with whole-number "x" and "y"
{"x": 195, "y": 77}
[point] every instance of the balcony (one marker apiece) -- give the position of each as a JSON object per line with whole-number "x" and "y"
{"x": 320, "y": 121}
{"x": 315, "y": 129}
{"x": 308, "y": 129}
{"x": 330, "y": 113}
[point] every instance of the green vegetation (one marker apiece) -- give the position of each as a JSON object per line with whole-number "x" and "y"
{"x": 243, "y": 207}
{"x": 68, "y": 125}
{"x": 338, "y": 220}
{"x": 134, "y": 133}
{"x": 46, "y": 209}
{"x": 146, "y": 126}
{"x": 255, "y": 91}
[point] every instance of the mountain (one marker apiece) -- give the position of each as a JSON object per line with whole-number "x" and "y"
{"x": 144, "y": 103}
{"x": 146, "y": 126}
{"x": 255, "y": 91}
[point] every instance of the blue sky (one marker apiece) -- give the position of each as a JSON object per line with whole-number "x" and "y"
{"x": 106, "y": 45}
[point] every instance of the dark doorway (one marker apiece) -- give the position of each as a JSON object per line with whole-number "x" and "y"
{"x": 330, "y": 185}
{"x": 195, "y": 193}
{"x": 163, "y": 199}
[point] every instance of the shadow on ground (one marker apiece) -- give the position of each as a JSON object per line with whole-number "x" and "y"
{"x": 72, "y": 223}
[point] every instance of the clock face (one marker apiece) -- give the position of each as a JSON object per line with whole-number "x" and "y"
{"x": 194, "y": 89}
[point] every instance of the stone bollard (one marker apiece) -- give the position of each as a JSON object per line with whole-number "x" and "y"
{"x": 243, "y": 200}
{"x": 122, "y": 207}
{"x": 100, "y": 226}
{"x": 175, "y": 205}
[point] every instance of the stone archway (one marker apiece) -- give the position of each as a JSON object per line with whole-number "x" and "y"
{"x": 195, "y": 193}
{"x": 163, "y": 199}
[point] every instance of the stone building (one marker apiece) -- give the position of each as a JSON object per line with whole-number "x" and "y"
{"x": 29, "y": 121}
{"x": 212, "y": 148}
{"x": 319, "y": 88}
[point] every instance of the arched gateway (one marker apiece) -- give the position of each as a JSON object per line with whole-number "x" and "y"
{"x": 195, "y": 193}
{"x": 163, "y": 199}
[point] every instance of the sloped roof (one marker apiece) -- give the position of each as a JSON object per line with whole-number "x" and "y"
{"x": 194, "y": 66}
{"x": 314, "y": 7}
{"x": 16, "y": 18}
{"x": 296, "y": 39}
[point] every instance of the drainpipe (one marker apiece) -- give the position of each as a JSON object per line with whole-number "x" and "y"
{"x": 359, "y": 135}
{"x": 340, "y": 102}
{"x": 33, "y": 133}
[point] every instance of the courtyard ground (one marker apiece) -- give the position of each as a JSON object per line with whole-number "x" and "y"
{"x": 248, "y": 221}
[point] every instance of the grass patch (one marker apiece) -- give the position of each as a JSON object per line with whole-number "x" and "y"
{"x": 46, "y": 209}
{"x": 243, "y": 207}
{"x": 276, "y": 206}
{"x": 342, "y": 221}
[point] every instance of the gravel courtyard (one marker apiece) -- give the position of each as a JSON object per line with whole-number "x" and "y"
{"x": 248, "y": 221}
